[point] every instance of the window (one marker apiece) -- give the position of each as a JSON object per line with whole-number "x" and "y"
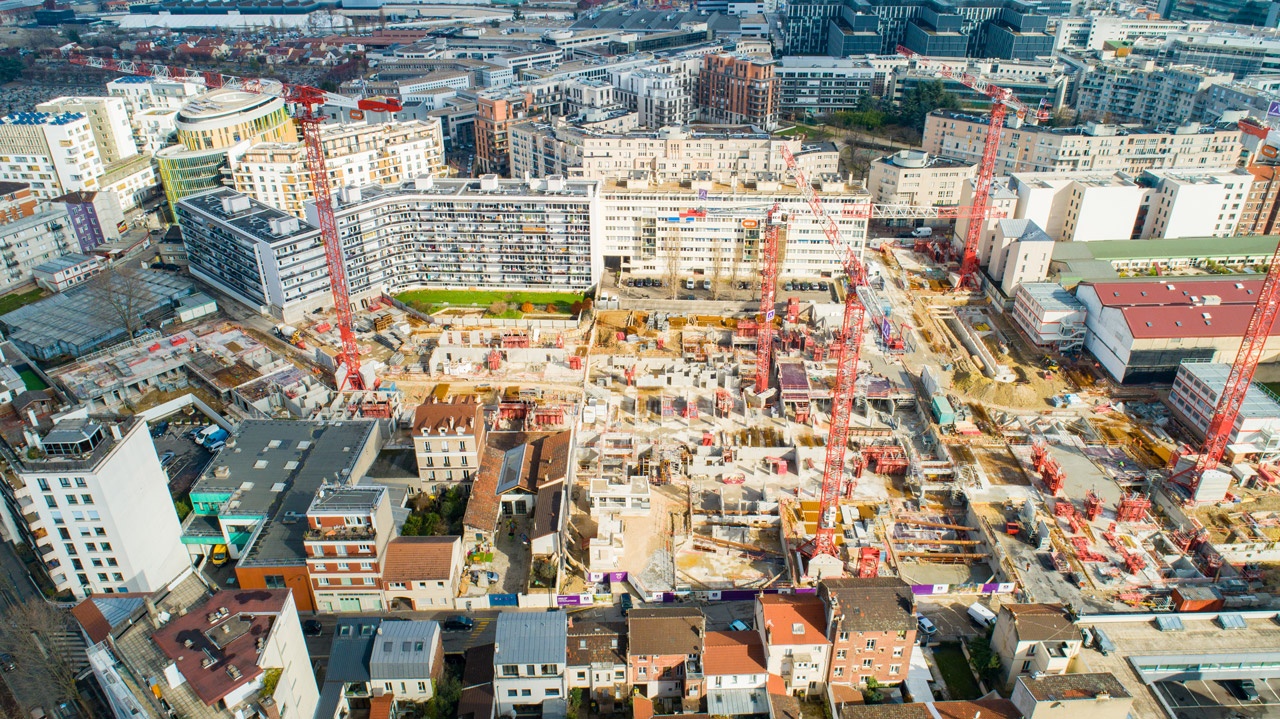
{"x": 840, "y": 654}
{"x": 1026, "y": 667}
{"x": 526, "y": 692}
{"x": 64, "y": 482}
{"x": 512, "y": 693}
{"x": 102, "y": 577}
{"x": 323, "y": 581}
{"x": 553, "y": 692}
{"x": 422, "y": 687}
{"x": 894, "y": 668}
{"x": 844, "y": 636}
{"x": 71, "y": 499}
{"x": 274, "y": 581}
{"x": 44, "y": 484}
{"x": 86, "y": 499}
{"x": 96, "y": 562}
{"x": 80, "y": 483}
{"x": 50, "y": 501}
{"x": 643, "y": 672}
{"x": 365, "y": 548}
{"x": 117, "y": 577}
{"x": 866, "y": 663}
{"x": 343, "y": 566}
{"x": 106, "y": 546}
{"x": 871, "y": 644}
{"x": 530, "y": 670}
{"x": 839, "y": 672}
{"x": 897, "y": 652}
{"x": 366, "y": 566}
{"x": 549, "y": 670}
{"x": 510, "y": 670}
{"x": 1031, "y": 650}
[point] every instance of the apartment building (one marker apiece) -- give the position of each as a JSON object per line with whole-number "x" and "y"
{"x": 447, "y": 440}
{"x": 1194, "y": 396}
{"x": 597, "y": 655}
{"x": 669, "y": 155}
{"x": 737, "y": 678}
{"x": 16, "y": 201}
{"x": 1262, "y": 204}
{"x": 1092, "y": 146}
{"x": 1096, "y": 695}
{"x": 152, "y": 93}
{"x": 1141, "y": 91}
{"x": 909, "y": 177}
{"x": 231, "y": 654}
{"x": 95, "y": 217}
{"x": 1195, "y": 203}
{"x": 91, "y": 500}
{"x": 356, "y": 154}
{"x": 53, "y": 153}
{"x": 1095, "y": 31}
{"x": 671, "y": 229}
{"x": 496, "y": 112}
{"x": 661, "y": 99}
{"x": 154, "y": 129}
{"x": 529, "y": 661}
{"x": 664, "y": 655}
{"x": 108, "y": 120}
{"x": 31, "y": 242}
{"x": 1034, "y": 640}
{"x": 816, "y": 86}
{"x": 871, "y": 625}
{"x": 67, "y": 271}
{"x": 793, "y": 632}
{"x": 738, "y": 90}
{"x": 482, "y": 232}
{"x": 1049, "y": 316}
{"x": 348, "y": 528}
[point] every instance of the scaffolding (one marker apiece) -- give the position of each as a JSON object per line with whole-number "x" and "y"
{"x": 1133, "y": 507}
{"x": 1048, "y": 468}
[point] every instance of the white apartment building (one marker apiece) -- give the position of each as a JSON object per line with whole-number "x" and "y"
{"x": 1139, "y": 90}
{"x": 910, "y": 177}
{"x": 447, "y": 437}
{"x": 91, "y": 498}
{"x": 108, "y": 119}
{"x": 529, "y": 661}
{"x": 426, "y": 233}
{"x": 1091, "y": 33}
{"x": 669, "y": 154}
{"x": 1051, "y": 317}
{"x": 1195, "y": 203}
{"x": 818, "y": 85}
{"x": 153, "y": 93}
{"x": 275, "y": 173}
{"x": 1092, "y": 146}
{"x": 54, "y": 153}
{"x": 30, "y": 242}
{"x": 154, "y": 129}
{"x": 1020, "y": 253}
{"x": 660, "y": 98}
{"x": 1194, "y": 397}
{"x": 664, "y": 229}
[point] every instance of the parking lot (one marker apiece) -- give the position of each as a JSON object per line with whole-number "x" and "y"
{"x": 1201, "y": 699}
{"x": 189, "y": 459}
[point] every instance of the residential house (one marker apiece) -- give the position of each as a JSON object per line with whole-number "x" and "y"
{"x": 347, "y": 686}
{"x": 447, "y": 438}
{"x": 992, "y": 707}
{"x": 737, "y": 678}
{"x": 598, "y": 661}
{"x": 872, "y": 626}
{"x": 1064, "y": 696}
{"x": 793, "y": 629}
{"x": 407, "y": 659}
{"x": 529, "y": 661}
{"x": 664, "y": 654}
{"x": 1034, "y": 639}
{"x": 348, "y": 529}
{"x": 476, "y": 701}
{"x": 509, "y": 485}
{"x": 422, "y": 573}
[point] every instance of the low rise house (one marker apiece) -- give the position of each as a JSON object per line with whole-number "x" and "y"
{"x": 407, "y": 659}
{"x": 422, "y": 573}
{"x": 1034, "y": 639}
{"x": 872, "y": 626}
{"x": 664, "y": 655}
{"x": 737, "y": 678}
{"x": 529, "y": 660}
{"x": 1059, "y": 696}
{"x": 793, "y": 630}
{"x": 598, "y": 661}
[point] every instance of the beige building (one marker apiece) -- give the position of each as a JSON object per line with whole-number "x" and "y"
{"x": 108, "y": 120}
{"x": 1072, "y": 696}
{"x": 911, "y": 177}
{"x": 669, "y": 155}
{"x": 275, "y": 173}
{"x": 447, "y": 437}
{"x": 422, "y": 573}
{"x": 1093, "y": 146}
{"x": 1034, "y": 639}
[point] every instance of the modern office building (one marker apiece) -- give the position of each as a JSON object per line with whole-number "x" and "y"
{"x": 482, "y": 232}
{"x": 53, "y": 153}
{"x": 212, "y": 126}
{"x": 275, "y": 173}
{"x": 1049, "y": 316}
{"x": 1242, "y": 54}
{"x": 1092, "y": 146}
{"x": 1194, "y": 396}
{"x": 91, "y": 500}
{"x": 1260, "y": 13}
{"x": 108, "y": 119}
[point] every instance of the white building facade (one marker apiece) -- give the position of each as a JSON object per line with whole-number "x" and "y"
{"x": 54, "y": 153}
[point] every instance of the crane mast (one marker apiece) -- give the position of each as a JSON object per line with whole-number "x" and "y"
{"x": 308, "y": 100}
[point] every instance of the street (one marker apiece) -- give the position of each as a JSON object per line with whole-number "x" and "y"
{"x": 15, "y": 589}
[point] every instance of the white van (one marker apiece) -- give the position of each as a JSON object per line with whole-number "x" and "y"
{"x": 981, "y": 616}
{"x": 690, "y": 284}
{"x": 922, "y": 232}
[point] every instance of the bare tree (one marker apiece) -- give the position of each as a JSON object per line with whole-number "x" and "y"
{"x": 124, "y": 291}
{"x": 717, "y": 268}
{"x": 39, "y": 637}
{"x": 671, "y": 246}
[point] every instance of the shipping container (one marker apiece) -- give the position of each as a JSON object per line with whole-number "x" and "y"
{"x": 942, "y": 410}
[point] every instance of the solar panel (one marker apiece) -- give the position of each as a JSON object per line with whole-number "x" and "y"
{"x": 1169, "y": 624}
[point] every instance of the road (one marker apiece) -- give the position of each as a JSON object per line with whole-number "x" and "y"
{"x": 15, "y": 589}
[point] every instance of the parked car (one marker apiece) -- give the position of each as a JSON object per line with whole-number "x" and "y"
{"x": 823, "y": 286}
{"x": 627, "y": 604}
{"x": 160, "y": 429}
{"x": 312, "y": 628}
{"x": 6, "y": 662}
{"x": 738, "y": 625}
{"x": 1243, "y": 689}
{"x": 706, "y": 285}
{"x": 927, "y": 627}
{"x": 459, "y": 623}
{"x": 167, "y": 457}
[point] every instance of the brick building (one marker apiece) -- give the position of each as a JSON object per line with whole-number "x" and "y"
{"x": 1262, "y": 204}
{"x": 348, "y": 529}
{"x": 871, "y": 625}
{"x": 738, "y": 90}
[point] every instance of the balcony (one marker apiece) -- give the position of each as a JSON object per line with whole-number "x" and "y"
{"x": 353, "y": 533}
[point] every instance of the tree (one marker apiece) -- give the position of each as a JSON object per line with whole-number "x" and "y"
{"x": 10, "y": 68}
{"x": 552, "y": 308}
{"x": 671, "y": 273}
{"x": 872, "y": 694}
{"x": 73, "y": 35}
{"x": 499, "y": 307}
{"x": 527, "y": 307}
{"x": 920, "y": 100}
{"x": 123, "y": 290}
{"x": 38, "y": 636}
{"x": 517, "y": 13}
{"x": 717, "y": 268}
{"x": 985, "y": 662}
{"x": 444, "y": 704}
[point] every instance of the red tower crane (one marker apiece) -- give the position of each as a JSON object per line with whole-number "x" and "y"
{"x": 768, "y": 296}
{"x": 308, "y": 101}
{"x": 1225, "y": 413}
{"x": 1001, "y": 100}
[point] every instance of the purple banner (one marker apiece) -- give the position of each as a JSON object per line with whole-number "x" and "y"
{"x": 600, "y": 576}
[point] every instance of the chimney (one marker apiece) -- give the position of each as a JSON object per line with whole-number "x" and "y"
{"x": 33, "y": 439}
{"x": 31, "y": 416}
{"x": 115, "y": 430}
{"x": 269, "y": 708}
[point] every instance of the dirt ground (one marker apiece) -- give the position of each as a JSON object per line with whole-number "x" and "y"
{"x": 1001, "y": 467}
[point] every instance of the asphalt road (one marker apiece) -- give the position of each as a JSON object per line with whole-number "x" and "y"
{"x": 15, "y": 589}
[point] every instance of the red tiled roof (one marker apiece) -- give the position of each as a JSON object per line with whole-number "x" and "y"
{"x": 984, "y": 708}
{"x": 483, "y": 504}
{"x": 380, "y": 706}
{"x": 95, "y": 626}
{"x": 463, "y": 412}
{"x": 250, "y": 614}
{"x": 726, "y": 653}
{"x": 782, "y": 612}
{"x": 412, "y": 559}
{"x": 1174, "y": 291}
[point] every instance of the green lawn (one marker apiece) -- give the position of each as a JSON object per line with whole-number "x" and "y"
{"x": 432, "y": 300}
{"x": 955, "y": 672}
{"x": 9, "y": 303}
{"x": 32, "y": 380}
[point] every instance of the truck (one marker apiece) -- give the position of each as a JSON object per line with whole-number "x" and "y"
{"x": 289, "y": 333}
{"x": 212, "y": 435}
{"x": 942, "y": 410}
